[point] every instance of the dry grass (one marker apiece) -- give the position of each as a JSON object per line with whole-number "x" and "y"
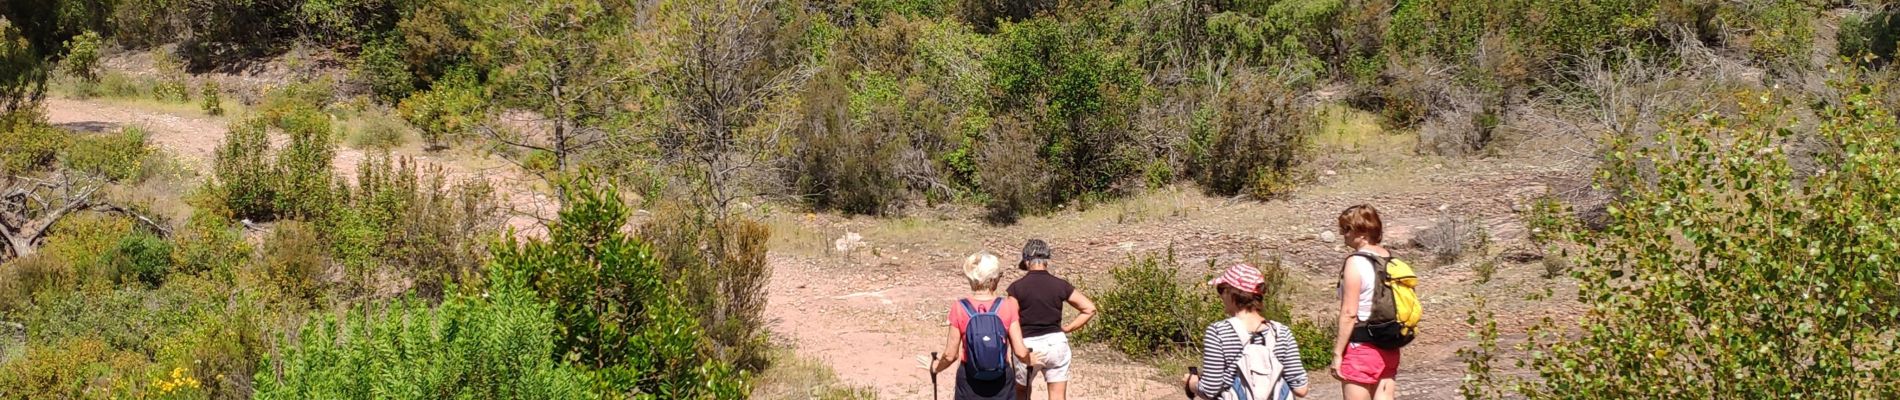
{"x": 1351, "y": 137}
{"x": 797, "y": 378}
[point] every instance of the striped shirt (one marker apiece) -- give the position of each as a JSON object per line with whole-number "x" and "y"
{"x": 1220, "y": 354}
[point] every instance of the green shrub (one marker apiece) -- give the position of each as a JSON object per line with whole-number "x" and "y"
{"x": 846, "y": 152}
{"x": 145, "y": 23}
{"x": 616, "y": 312}
{"x": 1713, "y": 264}
{"x": 172, "y": 89}
{"x": 448, "y": 110}
{"x": 77, "y": 369}
{"x": 1872, "y": 32}
{"x": 1254, "y": 134}
{"x": 722, "y": 270}
{"x": 1781, "y": 32}
{"x": 208, "y": 245}
{"x": 120, "y": 86}
{"x": 501, "y": 345}
{"x": 118, "y": 156}
{"x": 1080, "y": 94}
{"x": 304, "y": 181}
{"x": 1315, "y": 337}
{"x": 141, "y": 257}
{"x": 82, "y": 56}
{"x": 243, "y": 171}
{"x": 23, "y": 278}
{"x": 29, "y": 144}
{"x": 211, "y": 104}
{"x": 430, "y": 231}
{"x": 377, "y": 132}
{"x": 380, "y": 64}
{"x": 1152, "y": 310}
{"x": 290, "y": 265}
{"x": 84, "y": 242}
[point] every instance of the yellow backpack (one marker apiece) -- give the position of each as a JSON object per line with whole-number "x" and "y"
{"x": 1395, "y": 307}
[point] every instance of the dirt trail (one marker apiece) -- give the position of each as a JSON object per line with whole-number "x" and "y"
{"x": 869, "y": 311}
{"x": 193, "y": 139}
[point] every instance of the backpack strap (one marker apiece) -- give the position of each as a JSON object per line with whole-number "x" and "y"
{"x": 996, "y": 305}
{"x": 967, "y": 307}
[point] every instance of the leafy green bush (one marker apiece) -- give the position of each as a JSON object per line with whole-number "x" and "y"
{"x": 141, "y": 257}
{"x": 1719, "y": 267}
{"x": 1080, "y": 93}
{"x": 76, "y": 369}
{"x": 377, "y": 133}
{"x": 242, "y": 168}
{"x": 501, "y": 345}
{"x": 428, "y": 230}
{"x": 114, "y": 156}
{"x": 722, "y": 270}
{"x": 290, "y": 266}
{"x": 616, "y": 313}
{"x": 1151, "y": 309}
{"x": 84, "y": 242}
{"x": 82, "y": 56}
{"x": 847, "y": 154}
{"x": 211, "y": 103}
{"x": 30, "y": 144}
{"x": 380, "y": 64}
{"x": 448, "y": 110}
{"x": 1870, "y": 32}
{"x": 23, "y": 278}
{"x": 1250, "y": 139}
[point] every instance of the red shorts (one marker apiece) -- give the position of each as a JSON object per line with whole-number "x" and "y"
{"x": 1366, "y": 364}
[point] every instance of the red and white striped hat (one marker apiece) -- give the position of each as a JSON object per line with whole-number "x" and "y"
{"x": 1244, "y": 277}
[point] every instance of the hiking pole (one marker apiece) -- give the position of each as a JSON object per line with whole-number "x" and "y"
{"x": 1196, "y": 371}
{"x": 933, "y": 375}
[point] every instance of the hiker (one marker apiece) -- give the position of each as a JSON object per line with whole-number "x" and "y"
{"x": 1366, "y": 371}
{"x": 985, "y": 332}
{"x": 1246, "y": 356}
{"x": 1041, "y": 296}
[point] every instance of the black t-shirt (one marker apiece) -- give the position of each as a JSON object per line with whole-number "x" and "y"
{"x": 1041, "y": 297}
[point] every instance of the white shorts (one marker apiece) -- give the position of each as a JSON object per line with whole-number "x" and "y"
{"x": 1055, "y": 363}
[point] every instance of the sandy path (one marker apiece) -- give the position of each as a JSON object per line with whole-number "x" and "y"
{"x": 194, "y": 138}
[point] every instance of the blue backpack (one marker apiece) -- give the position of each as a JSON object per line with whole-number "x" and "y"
{"x": 987, "y": 341}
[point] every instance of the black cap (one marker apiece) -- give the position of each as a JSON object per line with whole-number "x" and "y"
{"x": 1035, "y": 249}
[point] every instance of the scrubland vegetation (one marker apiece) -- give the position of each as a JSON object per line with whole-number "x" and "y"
{"x": 1747, "y": 237}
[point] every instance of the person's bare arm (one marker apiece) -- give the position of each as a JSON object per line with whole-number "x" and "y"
{"x": 1016, "y": 345}
{"x": 1085, "y": 306}
{"x": 952, "y": 352}
{"x": 1348, "y": 313}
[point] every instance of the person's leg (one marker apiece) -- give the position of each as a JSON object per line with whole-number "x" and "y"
{"x": 1024, "y": 375}
{"x": 1056, "y": 373}
{"x": 1058, "y": 390}
{"x": 1388, "y": 389}
{"x": 1355, "y": 391}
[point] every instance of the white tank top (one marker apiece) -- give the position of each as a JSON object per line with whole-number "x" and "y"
{"x": 1362, "y": 267}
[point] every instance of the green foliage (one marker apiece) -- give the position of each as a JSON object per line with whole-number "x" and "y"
{"x": 82, "y": 56}
{"x": 1250, "y": 139}
{"x": 1291, "y": 34}
{"x": 223, "y": 30}
{"x": 722, "y": 271}
{"x": 141, "y": 257}
{"x": 22, "y": 278}
{"x": 1315, "y": 337}
{"x": 1871, "y": 33}
{"x": 146, "y": 23}
{"x": 1781, "y": 31}
{"x": 1080, "y": 93}
{"x": 30, "y": 144}
{"x": 211, "y": 103}
{"x": 615, "y": 312}
{"x": 118, "y": 156}
{"x": 497, "y": 345}
{"x": 83, "y": 243}
{"x": 448, "y": 110}
{"x": 429, "y": 230}
{"x": 243, "y": 171}
{"x": 380, "y": 64}
{"x": 848, "y": 151}
{"x": 208, "y": 244}
{"x": 1716, "y": 267}
{"x": 22, "y": 71}
{"x": 290, "y": 266}
{"x": 1151, "y": 309}
{"x": 377, "y": 132}
{"x": 77, "y": 369}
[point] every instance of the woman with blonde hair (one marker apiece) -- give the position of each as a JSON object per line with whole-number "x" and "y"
{"x": 985, "y": 331}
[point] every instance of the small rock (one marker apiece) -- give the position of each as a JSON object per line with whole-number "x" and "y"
{"x": 1330, "y": 172}
{"x": 850, "y": 241}
{"x": 1443, "y": 207}
{"x": 1327, "y": 236}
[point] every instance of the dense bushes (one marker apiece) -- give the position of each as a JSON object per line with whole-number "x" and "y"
{"x": 722, "y": 271}
{"x": 1250, "y": 139}
{"x": 1152, "y": 310}
{"x": 120, "y": 156}
{"x": 615, "y": 310}
{"x": 1076, "y": 95}
{"x": 1732, "y": 292}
